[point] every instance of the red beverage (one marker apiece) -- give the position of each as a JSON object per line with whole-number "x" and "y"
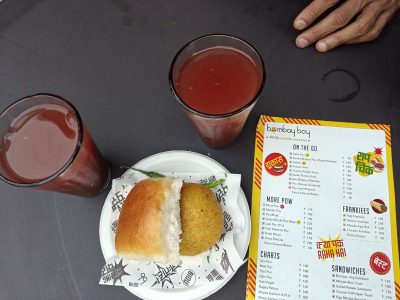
{"x": 38, "y": 143}
{"x": 45, "y": 145}
{"x": 218, "y": 80}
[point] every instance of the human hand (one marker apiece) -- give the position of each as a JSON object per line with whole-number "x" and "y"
{"x": 338, "y": 28}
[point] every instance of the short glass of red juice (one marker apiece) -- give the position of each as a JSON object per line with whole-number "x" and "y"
{"x": 217, "y": 80}
{"x": 44, "y": 145}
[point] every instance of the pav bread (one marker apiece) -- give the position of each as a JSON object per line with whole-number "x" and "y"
{"x": 163, "y": 218}
{"x": 149, "y": 223}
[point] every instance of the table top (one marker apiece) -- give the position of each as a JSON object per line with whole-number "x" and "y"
{"x": 111, "y": 59}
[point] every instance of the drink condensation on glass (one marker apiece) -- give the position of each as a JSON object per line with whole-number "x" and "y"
{"x": 45, "y": 145}
{"x": 217, "y": 80}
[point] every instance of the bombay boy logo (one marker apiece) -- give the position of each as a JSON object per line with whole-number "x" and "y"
{"x": 275, "y": 164}
{"x": 368, "y": 163}
{"x": 289, "y": 130}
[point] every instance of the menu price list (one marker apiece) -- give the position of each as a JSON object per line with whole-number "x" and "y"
{"x": 307, "y": 228}
{"x": 304, "y": 281}
{"x": 360, "y": 224}
{"x": 303, "y": 180}
{"x": 359, "y": 287}
{"x": 325, "y": 222}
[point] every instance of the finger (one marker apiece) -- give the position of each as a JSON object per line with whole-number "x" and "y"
{"x": 376, "y": 30}
{"x": 311, "y": 12}
{"x": 360, "y": 27}
{"x": 335, "y": 20}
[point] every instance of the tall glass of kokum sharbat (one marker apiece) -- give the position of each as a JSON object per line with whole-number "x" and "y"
{"x": 45, "y": 145}
{"x": 217, "y": 80}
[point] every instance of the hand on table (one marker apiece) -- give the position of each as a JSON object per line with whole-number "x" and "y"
{"x": 339, "y": 27}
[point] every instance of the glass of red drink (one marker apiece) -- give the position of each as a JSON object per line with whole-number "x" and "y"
{"x": 217, "y": 80}
{"x": 45, "y": 145}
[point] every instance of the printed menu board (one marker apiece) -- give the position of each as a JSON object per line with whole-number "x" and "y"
{"x": 323, "y": 212}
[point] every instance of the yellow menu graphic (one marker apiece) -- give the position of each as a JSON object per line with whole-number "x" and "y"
{"x": 323, "y": 212}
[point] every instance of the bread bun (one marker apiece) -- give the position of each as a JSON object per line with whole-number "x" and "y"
{"x": 202, "y": 220}
{"x": 149, "y": 223}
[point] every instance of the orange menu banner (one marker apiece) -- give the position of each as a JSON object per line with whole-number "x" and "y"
{"x": 323, "y": 212}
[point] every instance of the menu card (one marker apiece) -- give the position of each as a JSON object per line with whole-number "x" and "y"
{"x": 323, "y": 212}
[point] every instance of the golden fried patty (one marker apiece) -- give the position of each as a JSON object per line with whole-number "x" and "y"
{"x": 201, "y": 219}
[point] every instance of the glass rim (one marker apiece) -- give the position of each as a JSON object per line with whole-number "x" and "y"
{"x": 216, "y": 116}
{"x": 73, "y": 155}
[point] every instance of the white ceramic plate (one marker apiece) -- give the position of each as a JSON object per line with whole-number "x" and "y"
{"x": 177, "y": 161}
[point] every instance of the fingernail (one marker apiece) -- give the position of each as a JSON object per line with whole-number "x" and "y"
{"x": 322, "y": 46}
{"x": 300, "y": 24}
{"x": 302, "y": 42}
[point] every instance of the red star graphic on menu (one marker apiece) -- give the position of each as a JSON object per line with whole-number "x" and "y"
{"x": 378, "y": 151}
